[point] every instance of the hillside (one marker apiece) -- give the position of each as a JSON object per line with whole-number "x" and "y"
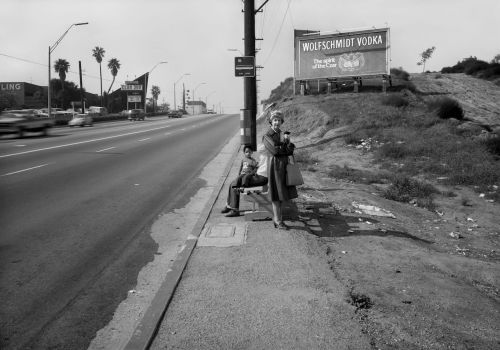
{"x": 403, "y": 199}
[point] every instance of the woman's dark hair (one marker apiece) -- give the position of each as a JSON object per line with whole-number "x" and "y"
{"x": 247, "y": 146}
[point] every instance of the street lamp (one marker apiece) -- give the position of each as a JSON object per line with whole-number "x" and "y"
{"x": 175, "y": 106}
{"x": 146, "y": 83}
{"x": 206, "y": 98}
{"x": 197, "y": 86}
{"x": 236, "y": 50}
{"x": 51, "y": 49}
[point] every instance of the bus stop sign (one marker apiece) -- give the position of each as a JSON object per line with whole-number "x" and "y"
{"x": 244, "y": 66}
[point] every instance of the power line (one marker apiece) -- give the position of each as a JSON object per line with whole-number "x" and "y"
{"x": 46, "y": 66}
{"x": 279, "y": 32}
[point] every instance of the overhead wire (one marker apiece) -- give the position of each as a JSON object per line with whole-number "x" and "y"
{"x": 46, "y": 66}
{"x": 279, "y": 32}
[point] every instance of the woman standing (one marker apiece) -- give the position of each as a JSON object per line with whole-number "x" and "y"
{"x": 279, "y": 148}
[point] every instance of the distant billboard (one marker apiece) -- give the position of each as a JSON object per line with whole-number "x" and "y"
{"x": 350, "y": 54}
{"x": 16, "y": 89}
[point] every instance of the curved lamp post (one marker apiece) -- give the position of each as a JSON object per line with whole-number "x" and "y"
{"x": 197, "y": 86}
{"x": 146, "y": 82}
{"x": 237, "y": 51}
{"x": 175, "y": 106}
{"x": 51, "y": 49}
{"x": 206, "y": 98}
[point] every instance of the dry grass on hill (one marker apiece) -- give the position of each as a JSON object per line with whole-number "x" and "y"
{"x": 404, "y": 133}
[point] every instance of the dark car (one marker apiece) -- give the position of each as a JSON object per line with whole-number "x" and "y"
{"x": 25, "y": 120}
{"x": 174, "y": 114}
{"x": 136, "y": 114}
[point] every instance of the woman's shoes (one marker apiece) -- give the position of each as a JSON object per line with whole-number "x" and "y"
{"x": 225, "y": 210}
{"x": 233, "y": 213}
{"x": 280, "y": 226}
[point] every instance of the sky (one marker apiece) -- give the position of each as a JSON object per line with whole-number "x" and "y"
{"x": 197, "y": 36}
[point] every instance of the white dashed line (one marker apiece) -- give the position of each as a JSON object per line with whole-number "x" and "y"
{"x": 83, "y": 142}
{"x": 143, "y": 139}
{"x": 20, "y": 171}
{"x": 106, "y": 149}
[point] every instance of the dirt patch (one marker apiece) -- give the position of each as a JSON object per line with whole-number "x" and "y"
{"x": 414, "y": 284}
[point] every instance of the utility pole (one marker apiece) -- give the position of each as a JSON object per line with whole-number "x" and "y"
{"x": 81, "y": 87}
{"x": 250, "y": 88}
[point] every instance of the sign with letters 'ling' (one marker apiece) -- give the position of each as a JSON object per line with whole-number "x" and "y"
{"x": 359, "y": 53}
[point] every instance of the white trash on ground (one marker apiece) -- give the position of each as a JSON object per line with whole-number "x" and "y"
{"x": 372, "y": 210}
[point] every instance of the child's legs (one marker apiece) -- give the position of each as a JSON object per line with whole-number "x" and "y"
{"x": 239, "y": 181}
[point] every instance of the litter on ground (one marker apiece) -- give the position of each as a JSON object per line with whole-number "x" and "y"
{"x": 372, "y": 210}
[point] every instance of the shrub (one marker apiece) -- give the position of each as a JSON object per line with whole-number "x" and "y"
{"x": 395, "y": 101}
{"x": 446, "y": 108}
{"x": 492, "y": 144}
{"x": 400, "y": 74}
{"x": 406, "y": 189}
{"x": 475, "y": 67}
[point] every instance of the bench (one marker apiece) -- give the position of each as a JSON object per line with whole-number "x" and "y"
{"x": 261, "y": 205}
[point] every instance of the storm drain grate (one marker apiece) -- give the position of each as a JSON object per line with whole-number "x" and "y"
{"x": 223, "y": 235}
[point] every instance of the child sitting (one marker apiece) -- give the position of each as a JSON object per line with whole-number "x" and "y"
{"x": 248, "y": 168}
{"x": 247, "y": 177}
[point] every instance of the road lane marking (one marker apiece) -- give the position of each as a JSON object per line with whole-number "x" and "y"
{"x": 105, "y": 149}
{"x": 82, "y": 142}
{"x": 27, "y": 169}
{"x": 148, "y": 138}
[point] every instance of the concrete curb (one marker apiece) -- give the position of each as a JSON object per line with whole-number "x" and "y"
{"x": 147, "y": 328}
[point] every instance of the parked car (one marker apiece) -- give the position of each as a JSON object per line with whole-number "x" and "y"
{"x": 174, "y": 114}
{"x": 81, "y": 120}
{"x": 24, "y": 120}
{"x": 136, "y": 114}
{"x": 97, "y": 111}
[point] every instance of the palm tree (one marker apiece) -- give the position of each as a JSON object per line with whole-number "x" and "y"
{"x": 114, "y": 66}
{"x": 61, "y": 67}
{"x": 98, "y": 53}
{"x": 155, "y": 91}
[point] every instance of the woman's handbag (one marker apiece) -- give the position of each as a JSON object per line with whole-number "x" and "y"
{"x": 293, "y": 175}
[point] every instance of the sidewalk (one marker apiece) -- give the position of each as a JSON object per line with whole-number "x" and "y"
{"x": 261, "y": 288}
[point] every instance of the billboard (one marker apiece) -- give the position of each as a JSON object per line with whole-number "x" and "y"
{"x": 16, "y": 89}
{"x": 359, "y": 53}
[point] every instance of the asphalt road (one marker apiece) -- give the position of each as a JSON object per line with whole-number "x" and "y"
{"x": 75, "y": 212}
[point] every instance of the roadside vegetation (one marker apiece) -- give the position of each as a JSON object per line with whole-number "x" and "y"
{"x": 477, "y": 68}
{"x": 418, "y": 142}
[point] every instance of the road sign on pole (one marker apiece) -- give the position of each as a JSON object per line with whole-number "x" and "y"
{"x": 244, "y": 66}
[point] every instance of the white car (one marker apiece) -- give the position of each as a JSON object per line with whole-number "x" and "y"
{"x": 81, "y": 120}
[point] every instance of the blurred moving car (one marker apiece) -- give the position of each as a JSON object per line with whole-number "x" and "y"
{"x": 81, "y": 120}
{"x": 97, "y": 111}
{"x": 24, "y": 120}
{"x": 136, "y": 114}
{"x": 44, "y": 112}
